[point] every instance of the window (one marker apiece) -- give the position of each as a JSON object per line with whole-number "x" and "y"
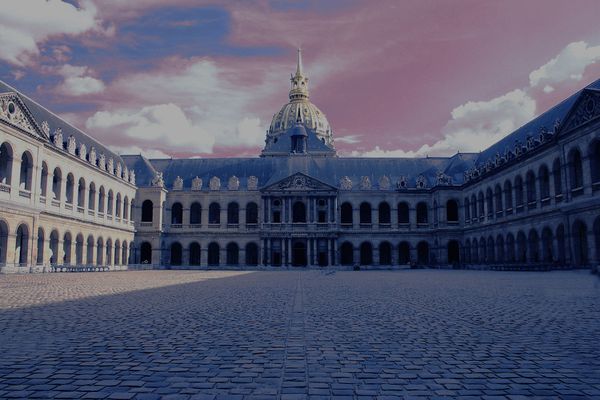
{"x": 26, "y": 171}
{"x": 252, "y": 213}
{"x": 365, "y": 213}
{"x": 176, "y": 214}
{"x": 195, "y": 214}
{"x": 452, "y": 211}
{"x": 384, "y": 213}
{"x": 214, "y": 214}
{"x": 575, "y": 170}
{"x": 299, "y": 212}
{"x": 422, "y": 217}
{"x": 233, "y": 213}
{"x": 544, "y": 176}
{"x": 346, "y": 214}
{"x": 147, "y": 211}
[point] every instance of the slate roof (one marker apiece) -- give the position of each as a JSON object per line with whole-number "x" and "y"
{"x": 41, "y": 114}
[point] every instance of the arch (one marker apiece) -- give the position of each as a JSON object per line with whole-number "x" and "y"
{"x": 298, "y": 212}
{"x": 100, "y": 251}
{"x": 544, "y": 178}
{"x": 146, "y": 253}
{"x": 557, "y": 175}
{"x": 366, "y": 253}
{"x": 481, "y": 201}
{"x": 176, "y": 254}
{"x": 404, "y": 253}
{"x": 547, "y": 250}
{"x": 67, "y": 242}
{"x": 118, "y": 203}
{"x": 92, "y": 196}
{"x": 575, "y": 169}
{"x": 44, "y": 179}
{"x": 81, "y": 192}
{"x": 365, "y": 213}
{"x": 109, "y": 252}
{"x": 594, "y": 156}
{"x": 213, "y": 254}
{"x": 110, "y": 199}
{"x": 500, "y": 256}
{"x": 561, "y": 251}
{"x": 214, "y": 213}
{"x": 490, "y": 251}
{"x": 176, "y": 213}
{"x": 498, "y": 199}
{"x": 26, "y": 173}
{"x": 54, "y": 239}
{"x": 56, "y": 184}
{"x": 251, "y": 254}
{"x": 384, "y": 213}
{"x": 531, "y": 190}
{"x": 69, "y": 188}
{"x": 385, "y": 253}
{"x": 403, "y": 213}
{"x": 6, "y": 163}
{"x": 195, "y": 253}
{"x": 117, "y": 253}
{"x": 233, "y": 253}
{"x": 196, "y": 213}
{"x": 508, "y": 195}
{"x": 521, "y": 247}
{"x": 580, "y": 243}
{"x": 299, "y": 253}
{"x": 510, "y": 248}
{"x": 519, "y": 191}
{"x": 40, "y": 246}
{"x": 252, "y": 215}
{"x": 346, "y": 253}
{"x": 422, "y": 213}
{"x": 452, "y": 210}
{"x": 423, "y": 253}
{"x": 147, "y": 211}
{"x": 124, "y": 258}
{"x": 453, "y": 252}
{"x": 233, "y": 213}
{"x": 489, "y": 198}
{"x": 101, "y": 199}
{"x": 22, "y": 245}
{"x": 89, "y": 257}
{"x": 276, "y": 211}
{"x": 346, "y": 217}
{"x": 79, "y": 249}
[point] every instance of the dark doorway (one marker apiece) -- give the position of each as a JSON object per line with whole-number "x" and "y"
{"x": 453, "y": 252}
{"x": 299, "y": 258}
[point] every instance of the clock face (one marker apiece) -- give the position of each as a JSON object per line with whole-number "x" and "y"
{"x": 299, "y": 181}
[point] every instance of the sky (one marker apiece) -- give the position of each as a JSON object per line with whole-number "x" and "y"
{"x": 199, "y": 78}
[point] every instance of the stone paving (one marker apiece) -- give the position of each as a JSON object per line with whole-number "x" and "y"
{"x": 300, "y": 334}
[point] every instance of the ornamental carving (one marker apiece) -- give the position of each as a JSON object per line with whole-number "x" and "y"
{"x": 57, "y": 139}
{"x": 587, "y": 109}
{"x": 178, "y": 183}
{"x": 11, "y": 112}
{"x": 421, "y": 182}
{"x": 92, "y": 156}
{"x": 402, "y": 183}
{"x": 233, "y": 183}
{"x": 252, "y": 183}
{"x": 365, "y": 183}
{"x": 215, "y": 183}
{"x": 82, "y": 151}
{"x": 158, "y": 180}
{"x": 102, "y": 162}
{"x": 298, "y": 182}
{"x": 45, "y": 128}
{"x": 443, "y": 179}
{"x": 384, "y": 183}
{"x": 118, "y": 170}
{"x": 132, "y": 177}
{"x": 125, "y": 174}
{"x": 196, "y": 184}
{"x": 345, "y": 183}
{"x": 71, "y": 145}
{"x": 111, "y": 166}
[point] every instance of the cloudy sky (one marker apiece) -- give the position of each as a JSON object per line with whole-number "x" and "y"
{"x": 189, "y": 78}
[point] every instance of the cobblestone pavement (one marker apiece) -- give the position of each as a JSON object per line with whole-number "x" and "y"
{"x": 296, "y": 335}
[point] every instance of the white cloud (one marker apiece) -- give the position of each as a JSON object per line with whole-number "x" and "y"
{"x": 77, "y": 81}
{"x": 569, "y": 64}
{"x": 146, "y": 152}
{"x": 25, "y": 24}
{"x": 350, "y": 139}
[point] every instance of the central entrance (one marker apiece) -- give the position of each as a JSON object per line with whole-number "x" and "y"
{"x": 299, "y": 258}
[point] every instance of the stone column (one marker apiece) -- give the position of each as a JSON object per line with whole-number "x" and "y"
{"x": 204, "y": 216}
{"x": 355, "y": 217}
{"x": 203, "y": 254}
{"x": 223, "y": 217}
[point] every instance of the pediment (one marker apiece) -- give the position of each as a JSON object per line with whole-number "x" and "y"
{"x": 14, "y": 112}
{"x": 586, "y": 109}
{"x": 299, "y": 182}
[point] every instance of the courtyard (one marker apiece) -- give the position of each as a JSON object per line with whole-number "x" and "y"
{"x": 300, "y": 334}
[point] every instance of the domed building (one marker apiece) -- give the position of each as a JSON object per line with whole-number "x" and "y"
{"x": 530, "y": 201}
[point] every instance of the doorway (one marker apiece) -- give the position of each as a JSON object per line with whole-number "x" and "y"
{"x": 299, "y": 258}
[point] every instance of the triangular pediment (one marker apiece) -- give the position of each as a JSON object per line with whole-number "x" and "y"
{"x": 299, "y": 182}
{"x": 586, "y": 109}
{"x": 14, "y": 112}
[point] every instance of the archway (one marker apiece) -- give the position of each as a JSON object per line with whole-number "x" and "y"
{"x": 22, "y": 245}
{"x": 233, "y": 251}
{"x": 423, "y": 253}
{"x": 79, "y": 249}
{"x": 176, "y": 254}
{"x": 195, "y": 253}
{"x": 54, "y": 247}
{"x": 366, "y": 253}
{"x": 299, "y": 212}
{"x": 299, "y": 258}
{"x": 404, "y": 253}
{"x": 453, "y": 252}
{"x": 346, "y": 254}
{"x": 251, "y": 254}
{"x": 146, "y": 253}
{"x": 213, "y": 254}
{"x": 580, "y": 244}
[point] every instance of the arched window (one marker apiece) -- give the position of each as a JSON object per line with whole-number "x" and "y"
{"x": 214, "y": 214}
{"x": 489, "y": 197}
{"x": 70, "y": 188}
{"x": 26, "y": 171}
{"x": 575, "y": 171}
{"x": 403, "y": 213}
{"x": 213, "y": 254}
{"x": 594, "y": 154}
{"x": 176, "y": 253}
{"x": 452, "y": 210}
{"x": 385, "y": 253}
{"x": 384, "y": 213}
{"x": 110, "y": 202}
{"x": 146, "y": 253}
{"x": 56, "y": 183}
{"x": 22, "y": 245}
{"x": 176, "y": 214}
{"x": 44, "y": 180}
{"x": 422, "y": 217}
{"x": 557, "y": 174}
{"x": 531, "y": 191}
{"x": 101, "y": 199}
{"x": 252, "y": 213}
{"x": 195, "y": 254}
{"x": 423, "y": 253}
{"x": 467, "y": 205}
{"x": 251, "y": 254}
{"x": 233, "y": 213}
{"x": 481, "y": 201}
{"x": 346, "y": 214}
{"x": 498, "y": 198}
{"x": 233, "y": 254}
{"x": 147, "y": 211}
{"x": 508, "y": 196}
{"x": 276, "y": 211}
{"x": 519, "y": 192}
{"x": 6, "y": 163}
{"x": 346, "y": 253}
{"x": 365, "y": 213}
{"x": 404, "y": 253}
{"x": 366, "y": 253}
{"x": 544, "y": 177}
{"x": 195, "y": 214}
{"x": 298, "y": 212}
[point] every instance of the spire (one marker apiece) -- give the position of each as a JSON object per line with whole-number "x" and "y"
{"x": 299, "y": 90}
